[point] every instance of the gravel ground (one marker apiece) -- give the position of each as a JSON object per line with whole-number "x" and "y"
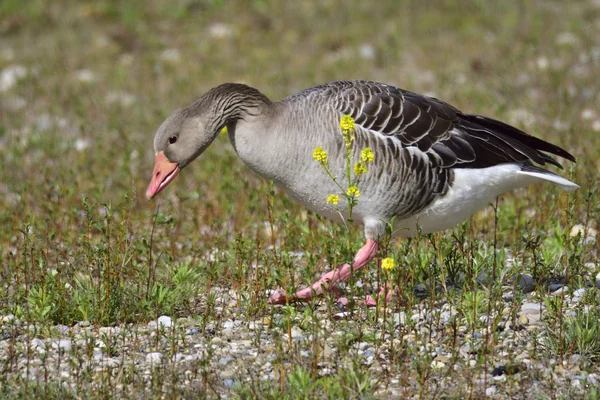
{"x": 220, "y": 357}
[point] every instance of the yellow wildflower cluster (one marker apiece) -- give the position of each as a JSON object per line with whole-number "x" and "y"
{"x": 333, "y": 199}
{"x": 388, "y": 264}
{"x": 347, "y": 123}
{"x": 320, "y": 155}
{"x": 360, "y": 168}
{"x": 348, "y": 129}
{"x": 367, "y": 155}
{"x": 353, "y": 191}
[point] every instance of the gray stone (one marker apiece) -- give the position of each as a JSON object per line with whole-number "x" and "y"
{"x": 532, "y": 308}
{"x": 560, "y": 291}
{"x": 555, "y": 286}
{"x": 297, "y": 333}
{"x": 526, "y": 283}
{"x": 420, "y": 291}
{"x": 62, "y": 329}
{"x": 154, "y": 358}
{"x": 38, "y": 344}
{"x": 7, "y": 319}
{"x": 64, "y": 345}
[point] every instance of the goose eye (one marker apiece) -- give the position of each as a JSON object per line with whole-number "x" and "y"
{"x": 172, "y": 139}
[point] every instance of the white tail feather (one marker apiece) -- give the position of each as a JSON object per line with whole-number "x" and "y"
{"x": 561, "y": 182}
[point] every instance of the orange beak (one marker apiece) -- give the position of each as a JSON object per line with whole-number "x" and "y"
{"x": 164, "y": 172}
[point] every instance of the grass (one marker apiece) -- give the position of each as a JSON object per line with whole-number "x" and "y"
{"x": 79, "y": 243}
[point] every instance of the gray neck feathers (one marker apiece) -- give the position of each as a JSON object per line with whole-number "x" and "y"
{"x": 229, "y": 102}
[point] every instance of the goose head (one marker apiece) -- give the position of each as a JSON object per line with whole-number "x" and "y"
{"x": 182, "y": 137}
{"x": 187, "y": 132}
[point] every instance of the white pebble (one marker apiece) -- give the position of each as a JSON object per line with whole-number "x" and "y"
{"x": 38, "y": 343}
{"x": 154, "y": 358}
{"x": 165, "y": 321}
{"x": 64, "y": 345}
{"x": 11, "y": 75}
{"x": 85, "y": 76}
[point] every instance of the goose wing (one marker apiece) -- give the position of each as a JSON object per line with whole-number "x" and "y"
{"x": 449, "y": 138}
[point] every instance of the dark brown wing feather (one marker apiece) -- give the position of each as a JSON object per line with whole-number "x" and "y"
{"x": 449, "y": 137}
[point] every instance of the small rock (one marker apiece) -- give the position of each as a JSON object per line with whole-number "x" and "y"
{"x": 62, "y": 329}
{"x": 165, "y": 321}
{"x": 561, "y": 291}
{"x": 437, "y": 364}
{"x": 85, "y": 76}
{"x": 297, "y": 334}
{"x": 555, "y": 286}
{"x": 154, "y": 358}
{"x": 219, "y": 30}
{"x": 192, "y": 331}
{"x": 532, "y": 308}
{"x": 508, "y": 296}
{"x": 10, "y": 76}
{"x": 38, "y": 344}
{"x": 580, "y": 230}
{"x": 598, "y": 280}
{"x": 466, "y": 350}
{"x": 229, "y": 383}
{"x": 441, "y": 358}
{"x": 420, "y": 291}
{"x": 64, "y": 345}
{"x": 490, "y": 391}
{"x": 526, "y": 283}
{"x": 228, "y": 324}
{"x": 341, "y": 315}
{"x": 508, "y": 369}
{"x": 217, "y": 340}
{"x": 7, "y": 319}
{"x": 108, "y": 330}
{"x": 579, "y": 292}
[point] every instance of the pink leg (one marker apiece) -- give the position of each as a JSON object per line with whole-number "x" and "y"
{"x": 328, "y": 281}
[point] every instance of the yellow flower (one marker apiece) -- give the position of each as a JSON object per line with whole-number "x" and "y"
{"x": 347, "y": 123}
{"x": 333, "y": 199}
{"x": 367, "y": 155}
{"x": 388, "y": 264}
{"x": 353, "y": 191}
{"x": 360, "y": 168}
{"x": 224, "y": 130}
{"x": 320, "y": 155}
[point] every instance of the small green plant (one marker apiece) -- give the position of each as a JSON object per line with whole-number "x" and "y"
{"x": 578, "y": 334}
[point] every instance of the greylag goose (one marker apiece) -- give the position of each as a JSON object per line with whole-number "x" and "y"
{"x": 433, "y": 165}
